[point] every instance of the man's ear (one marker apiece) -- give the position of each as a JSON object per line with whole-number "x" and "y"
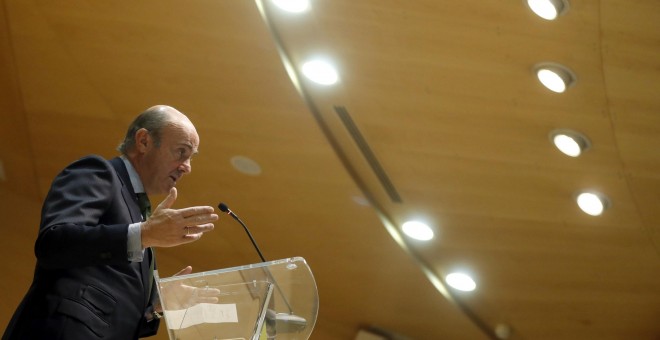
{"x": 142, "y": 140}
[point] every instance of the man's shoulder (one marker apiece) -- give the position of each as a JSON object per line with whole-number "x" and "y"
{"x": 92, "y": 170}
{"x": 92, "y": 160}
{"x": 91, "y": 164}
{"x": 94, "y": 157}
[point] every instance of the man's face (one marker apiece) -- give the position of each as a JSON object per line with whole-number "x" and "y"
{"x": 164, "y": 165}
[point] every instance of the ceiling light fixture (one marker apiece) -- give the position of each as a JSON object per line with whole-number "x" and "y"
{"x": 548, "y": 9}
{"x": 569, "y": 142}
{"x": 460, "y": 281}
{"x": 502, "y": 331}
{"x": 320, "y": 72}
{"x": 294, "y": 6}
{"x": 245, "y": 165}
{"x": 360, "y": 200}
{"x": 417, "y": 230}
{"x": 555, "y": 77}
{"x": 593, "y": 203}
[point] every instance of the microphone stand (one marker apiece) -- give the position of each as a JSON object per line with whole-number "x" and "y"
{"x": 299, "y": 321}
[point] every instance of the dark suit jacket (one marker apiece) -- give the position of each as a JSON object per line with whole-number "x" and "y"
{"x": 84, "y": 287}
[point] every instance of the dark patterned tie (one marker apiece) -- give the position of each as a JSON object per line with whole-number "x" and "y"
{"x": 145, "y": 209}
{"x": 145, "y": 205}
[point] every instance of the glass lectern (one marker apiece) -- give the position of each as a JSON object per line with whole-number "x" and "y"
{"x": 269, "y": 300}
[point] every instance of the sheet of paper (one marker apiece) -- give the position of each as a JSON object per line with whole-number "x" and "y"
{"x": 201, "y": 313}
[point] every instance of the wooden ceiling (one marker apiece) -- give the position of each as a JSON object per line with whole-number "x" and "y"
{"x": 443, "y": 95}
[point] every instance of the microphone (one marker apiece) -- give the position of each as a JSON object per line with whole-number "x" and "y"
{"x": 286, "y": 323}
{"x": 225, "y": 209}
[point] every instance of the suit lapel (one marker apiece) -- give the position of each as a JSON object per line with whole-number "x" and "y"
{"x": 130, "y": 198}
{"x": 127, "y": 191}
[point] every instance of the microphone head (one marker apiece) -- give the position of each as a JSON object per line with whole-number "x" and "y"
{"x": 223, "y": 207}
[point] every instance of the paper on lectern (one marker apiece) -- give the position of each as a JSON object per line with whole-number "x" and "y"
{"x": 201, "y": 313}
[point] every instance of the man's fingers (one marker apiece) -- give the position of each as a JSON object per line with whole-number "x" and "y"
{"x": 205, "y": 227}
{"x": 207, "y": 300}
{"x": 169, "y": 200}
{"x": 172, "y": 227}
{"x": 198, "y": 216}
{"x": 208, "y": 292}
{"x": 194, "y": 233}
{"x": 199, "y": 210}
{"x": 184, "y": 271}
{"x": 198, "y": 229}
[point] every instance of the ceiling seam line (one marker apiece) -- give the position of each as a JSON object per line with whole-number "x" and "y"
{"x": 626, "y": 175}
{"x": 314, "y": 110}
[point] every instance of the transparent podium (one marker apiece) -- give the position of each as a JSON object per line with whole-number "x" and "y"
{"x": 269, "y": 300}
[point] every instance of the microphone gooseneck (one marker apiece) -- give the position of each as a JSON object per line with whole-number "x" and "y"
{"x": 225, "y": 209}
{"x": 291, "y": 320}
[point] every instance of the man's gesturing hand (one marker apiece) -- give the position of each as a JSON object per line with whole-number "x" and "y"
{"x": 178, "y": 295}
{"x": 171, "y": 227}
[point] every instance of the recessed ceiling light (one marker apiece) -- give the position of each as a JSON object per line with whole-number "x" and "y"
{"x": 294, "y": 6}
{"x": 417, "y": 230}
{"x": 593, "y": 203}
{"x": 360, "y": 200}
{"x": 502, "y": 331}
{"x": 555, "y": 77}
{"x": 320, "y": 72}
{"x": 548, "y": 9}
{"x": 245, "y": 165}
{"x": 461, "y": 282}
{"x": 569, "y": 142}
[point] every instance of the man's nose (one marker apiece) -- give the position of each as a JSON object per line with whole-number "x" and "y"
{"x": 186, "y": 167}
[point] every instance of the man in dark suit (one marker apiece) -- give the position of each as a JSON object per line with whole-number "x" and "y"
{"x": 94, "y": 272}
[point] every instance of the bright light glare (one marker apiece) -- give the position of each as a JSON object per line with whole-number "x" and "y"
{"x": 461, "y": 281}
{"x": 591, "y": 203}
{"x": 417, "y": 230}
{"x": 546, "y": 9}
{"x": 320, "y": 72}
{"x": 295, "y": 6}
{"x": 551, "y": 80}
{"x": 567, "y": 145}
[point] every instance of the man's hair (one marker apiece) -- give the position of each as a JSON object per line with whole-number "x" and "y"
{"x": 153, "y": 120}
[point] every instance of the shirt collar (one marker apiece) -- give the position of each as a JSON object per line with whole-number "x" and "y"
{"x": 133, "y": 175}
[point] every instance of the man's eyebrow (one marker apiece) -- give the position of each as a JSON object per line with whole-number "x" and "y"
{"x": 190, "y": 147}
